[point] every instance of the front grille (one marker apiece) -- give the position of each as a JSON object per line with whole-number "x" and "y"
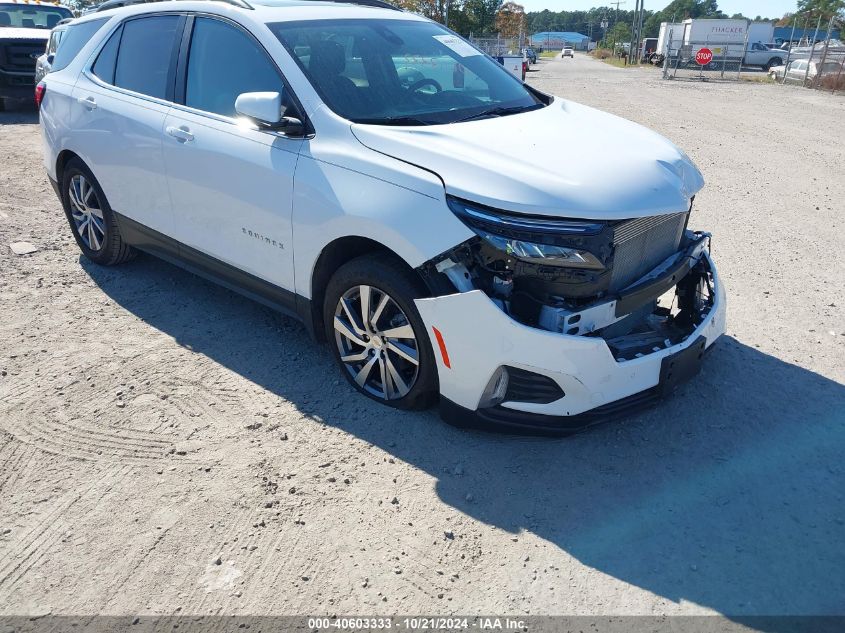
{"x": 643, "y": 243}
{"x": 17, "y": 56}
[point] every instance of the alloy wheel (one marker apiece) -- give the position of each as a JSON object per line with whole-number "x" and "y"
{"x": 376, "y": 342}
{"x": 86, "y": 212}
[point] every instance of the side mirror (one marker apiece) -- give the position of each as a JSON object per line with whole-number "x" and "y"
{"x": 50, "y": 58}
{"x": 265, "y": 109}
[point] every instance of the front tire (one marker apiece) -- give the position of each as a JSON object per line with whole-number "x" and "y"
{"x": 91, "y": 219}
{"x": 377, "y": 336}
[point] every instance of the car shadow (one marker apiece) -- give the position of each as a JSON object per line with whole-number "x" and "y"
{"x": 730, "y": 494}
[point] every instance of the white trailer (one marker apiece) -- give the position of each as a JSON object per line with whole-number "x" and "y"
{"x": 761, "y": 32}
{"x": 726, "y": 38}
{"x": 668, "y": 30}
{"x": 514, "y": 64}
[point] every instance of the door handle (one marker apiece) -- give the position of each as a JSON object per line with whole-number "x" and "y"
{"x": 181, "y": 134}
{"x": 88, "y": 102}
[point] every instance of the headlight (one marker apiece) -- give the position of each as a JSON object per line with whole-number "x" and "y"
{"x": 537, "y": 240}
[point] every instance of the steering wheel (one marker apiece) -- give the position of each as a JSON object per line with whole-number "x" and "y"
{"x": 427, "y": 81}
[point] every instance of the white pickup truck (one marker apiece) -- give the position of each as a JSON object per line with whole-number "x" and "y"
{"x": 758, "y": 54}
{"x": 24, "y": 30}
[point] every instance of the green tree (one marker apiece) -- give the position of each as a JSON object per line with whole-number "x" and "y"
{"x": 618, "y": 34}
{"x": 824, "y": 9}
{"x": 482, "y": 16}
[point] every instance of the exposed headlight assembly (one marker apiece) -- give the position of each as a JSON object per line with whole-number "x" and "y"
{"x": 531, "y": 239}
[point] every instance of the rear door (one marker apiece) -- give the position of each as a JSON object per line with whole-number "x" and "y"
{"x": 122, "y": 100}
{"x": 231, "y": 183}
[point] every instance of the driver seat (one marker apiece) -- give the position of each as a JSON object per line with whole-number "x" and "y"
{"x": 328, "y": 61}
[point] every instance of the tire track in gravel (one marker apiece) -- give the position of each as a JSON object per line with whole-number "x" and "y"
{"x": 73, "y": 438}
{"x": 15, "y": 458}
{"x": 43, "y": 535}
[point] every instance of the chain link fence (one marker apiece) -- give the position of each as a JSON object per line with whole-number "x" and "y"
{"x": 498, "y": 46}
{"x": 819, "y": 65}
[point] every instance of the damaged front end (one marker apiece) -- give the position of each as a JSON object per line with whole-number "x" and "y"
{"x": 642, "y": 285}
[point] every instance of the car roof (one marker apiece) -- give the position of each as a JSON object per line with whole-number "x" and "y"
{"x": 262, "y": 10}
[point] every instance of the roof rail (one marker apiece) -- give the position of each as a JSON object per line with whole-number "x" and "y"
{"x": 379, "y": 4}
{"x": 114, "y": 4}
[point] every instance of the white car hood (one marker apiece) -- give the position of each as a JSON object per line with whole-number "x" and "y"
{"x": 16, "y": 33}
{"x": 564, "y": 160}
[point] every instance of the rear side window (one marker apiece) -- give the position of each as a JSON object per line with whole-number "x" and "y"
{"x": 76, "y": 36}
{"x": 223, "y": 63}
{"x": 104, "y": 66}
{"x": 145, "y": 55}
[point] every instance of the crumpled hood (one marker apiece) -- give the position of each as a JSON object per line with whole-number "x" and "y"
{"x": 16, "y": 33}
{"x": 564, "y": 160}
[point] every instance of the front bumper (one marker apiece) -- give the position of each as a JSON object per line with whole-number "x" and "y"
{"x": 479, "y": 338}
{"x": 16, "y": 85}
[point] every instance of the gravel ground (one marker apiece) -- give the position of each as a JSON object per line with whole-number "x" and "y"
{"x": 167, "y": 446}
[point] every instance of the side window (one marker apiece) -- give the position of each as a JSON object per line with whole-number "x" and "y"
{"x": 104, "y": 66}
{"x": 145, "y": 55}
{"x": 76, "y": 36}
{"x": 223, "y": 63}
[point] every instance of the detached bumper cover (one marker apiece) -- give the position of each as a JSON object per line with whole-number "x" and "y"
{"x": 480, "y": 338}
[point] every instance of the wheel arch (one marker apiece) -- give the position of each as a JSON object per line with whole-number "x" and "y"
{"x": 334, "y": 255}
{"x": 64, "y": 157}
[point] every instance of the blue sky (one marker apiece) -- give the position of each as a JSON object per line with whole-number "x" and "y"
{"x": 751, "y": 8}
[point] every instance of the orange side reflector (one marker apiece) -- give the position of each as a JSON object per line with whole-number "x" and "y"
{"x": 442, "y": 347}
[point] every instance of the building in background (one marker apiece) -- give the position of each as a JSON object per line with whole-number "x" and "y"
{"x": 551, "y": 40}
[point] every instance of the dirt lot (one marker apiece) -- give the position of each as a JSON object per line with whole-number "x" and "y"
{"x": 153, "y": 425}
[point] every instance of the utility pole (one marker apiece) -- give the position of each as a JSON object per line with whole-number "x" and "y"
{"x": 633, "y": 42}
{"x": 616, "y": 17}
{"x": 639, "y": 38}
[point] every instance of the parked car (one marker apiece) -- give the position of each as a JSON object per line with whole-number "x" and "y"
{"x": 567, "y": 52}
{"x": 530, "y": 54}
{"x": 45, "y": 61}
{"x": 797, "y": 70}
{"x": 24, "y": 30}
{"x": 422, "y": 229}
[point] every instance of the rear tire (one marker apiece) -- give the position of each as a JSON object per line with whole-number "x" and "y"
{"x": 772, "y": 63}
{"x": 388, "y": 355}
{"x": 91, "y": 219}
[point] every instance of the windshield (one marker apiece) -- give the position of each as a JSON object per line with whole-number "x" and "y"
{"x": 32, "y": 16}
{"x": 397, "y": 72}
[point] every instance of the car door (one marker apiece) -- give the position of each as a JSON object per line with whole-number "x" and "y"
{"x": 795, "y": 72}
{"x": 230, "y": 182}
{"x": 121, "y": 101}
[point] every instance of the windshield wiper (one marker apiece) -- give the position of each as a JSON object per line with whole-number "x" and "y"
{"x": 395, "y": 120}
{"x": 493, "y": 112}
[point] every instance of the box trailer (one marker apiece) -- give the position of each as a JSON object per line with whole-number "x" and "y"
{"x": 731, "y": 42}
{"x": 673, "y": 31}
{"x": 761, "y": 32}
{"x": 726, "y": 38}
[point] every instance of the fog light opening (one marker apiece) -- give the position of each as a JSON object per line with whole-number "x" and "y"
{"x": 497, "y": 387}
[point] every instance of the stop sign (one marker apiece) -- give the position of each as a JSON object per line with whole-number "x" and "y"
{"x": 704, "y": 56}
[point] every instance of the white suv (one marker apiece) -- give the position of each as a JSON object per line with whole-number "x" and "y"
{"x": 375, "y": 175}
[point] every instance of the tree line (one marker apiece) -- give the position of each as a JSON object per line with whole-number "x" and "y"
{"x": 491, "y": 17}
